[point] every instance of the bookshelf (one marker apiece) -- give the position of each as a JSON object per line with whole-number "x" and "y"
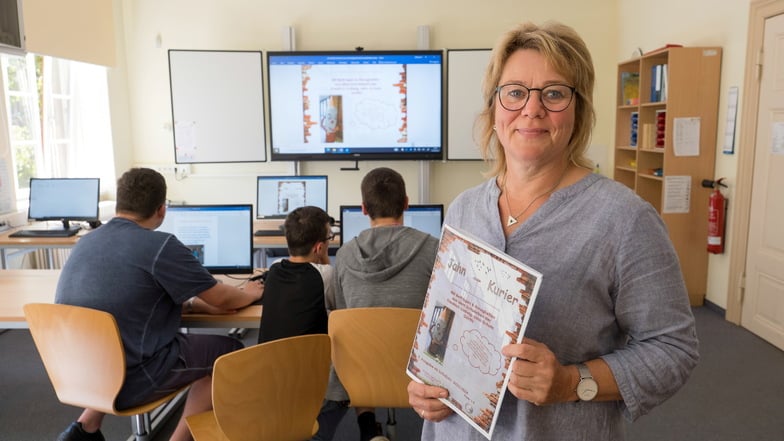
{"x": 665, "y": 145}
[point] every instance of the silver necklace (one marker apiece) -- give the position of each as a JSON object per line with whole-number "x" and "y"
{"x": 511, "y": 220}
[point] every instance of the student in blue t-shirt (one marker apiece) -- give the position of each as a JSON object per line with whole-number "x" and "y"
{"x": 147, "y": 279}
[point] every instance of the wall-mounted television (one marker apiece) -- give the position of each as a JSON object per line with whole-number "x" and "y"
{"x": 356, "y": 105}
{"x": 220, "y": 236}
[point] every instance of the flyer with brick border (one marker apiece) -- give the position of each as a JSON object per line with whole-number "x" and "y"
{"x": 478, "y": 300}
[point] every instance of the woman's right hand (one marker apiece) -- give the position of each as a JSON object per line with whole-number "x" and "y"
{"x": 425, "y": 401}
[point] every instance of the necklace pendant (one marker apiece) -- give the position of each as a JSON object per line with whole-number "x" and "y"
{"x": 510, "y": 221}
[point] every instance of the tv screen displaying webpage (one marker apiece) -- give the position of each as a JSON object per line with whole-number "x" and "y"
{"x": 220, "y": 236}
{"x": 277, "y": 196}
{"x": 424, "y": 217}
{"x": 356, "y": 105}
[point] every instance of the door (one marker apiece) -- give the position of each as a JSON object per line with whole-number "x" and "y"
{"x": 763, "y": 305}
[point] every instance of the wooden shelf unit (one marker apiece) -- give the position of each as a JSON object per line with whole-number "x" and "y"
{"x": 692, "y": 79}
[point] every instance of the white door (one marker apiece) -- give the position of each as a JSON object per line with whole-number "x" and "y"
{"x": 763, "y": 306}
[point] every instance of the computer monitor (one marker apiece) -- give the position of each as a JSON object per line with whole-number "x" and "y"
{"x": 356, "y": 105}
{"x": 220, "y": 236}
{"x": 64, "y": 199}
{"x": 424, "y": 217}
{"x": 277, "y": 196}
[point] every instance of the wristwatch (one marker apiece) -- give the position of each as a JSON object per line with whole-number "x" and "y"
{"x": 587, "y": 389}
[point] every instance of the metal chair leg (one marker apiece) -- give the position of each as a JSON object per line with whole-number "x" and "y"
{"x": 391, "y": 424}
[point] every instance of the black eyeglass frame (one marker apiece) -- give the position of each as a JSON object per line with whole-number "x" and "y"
{"x": 531, "y": 89}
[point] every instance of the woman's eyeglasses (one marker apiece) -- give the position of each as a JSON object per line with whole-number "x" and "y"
{"x": 555, "y": 97}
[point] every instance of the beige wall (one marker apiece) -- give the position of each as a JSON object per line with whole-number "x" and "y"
{"x": 612, "y": 29}
{"x": 201, "y": 24}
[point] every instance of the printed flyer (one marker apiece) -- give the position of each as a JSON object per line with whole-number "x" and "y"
{"x": 478, "y": 300}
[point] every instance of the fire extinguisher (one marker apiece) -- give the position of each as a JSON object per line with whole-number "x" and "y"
{"x": 717, "y": 210}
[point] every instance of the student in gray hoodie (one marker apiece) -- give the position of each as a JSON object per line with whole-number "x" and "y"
{"x": 387, "y": 265}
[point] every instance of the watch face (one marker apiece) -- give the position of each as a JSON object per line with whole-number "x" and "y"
{"x": 587, "y": 389}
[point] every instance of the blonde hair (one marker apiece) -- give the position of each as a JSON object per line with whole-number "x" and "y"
{"x": 565, "y": 50}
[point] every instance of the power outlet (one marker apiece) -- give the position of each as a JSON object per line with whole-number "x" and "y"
{"x": 179, "y": 171}
{"x": 166, "y": 169}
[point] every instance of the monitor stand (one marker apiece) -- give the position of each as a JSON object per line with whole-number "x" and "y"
{"x": 67, "y": 225}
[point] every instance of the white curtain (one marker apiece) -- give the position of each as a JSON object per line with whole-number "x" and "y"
{"x": 7, "y": 181}
{"x": 77, "y": 130}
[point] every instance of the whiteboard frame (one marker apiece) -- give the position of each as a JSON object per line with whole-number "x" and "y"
{"x": 217, "y": 99}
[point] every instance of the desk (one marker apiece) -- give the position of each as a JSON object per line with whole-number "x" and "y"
{"x": 18, "y": 287}
{"x": 34, "y": 243}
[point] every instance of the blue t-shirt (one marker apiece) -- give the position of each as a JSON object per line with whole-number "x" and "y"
{"x": 142, "y": 277}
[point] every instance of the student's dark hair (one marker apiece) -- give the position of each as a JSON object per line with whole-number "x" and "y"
{"x": 304, "y": 227}
{"x": 141, "y": 191}
{"x": 383, "y": 193}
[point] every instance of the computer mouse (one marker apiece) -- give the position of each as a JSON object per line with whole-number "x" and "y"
{"x": 261, "y": 276}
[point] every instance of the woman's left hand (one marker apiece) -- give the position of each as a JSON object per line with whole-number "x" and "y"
{"x": 537, "y": 375}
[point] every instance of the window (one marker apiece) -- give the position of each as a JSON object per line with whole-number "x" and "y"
{"x": 22, "y": 106}
{"x": 58, "y": 119}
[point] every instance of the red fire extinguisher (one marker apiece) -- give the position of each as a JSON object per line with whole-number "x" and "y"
{"x": 717, "y": 210}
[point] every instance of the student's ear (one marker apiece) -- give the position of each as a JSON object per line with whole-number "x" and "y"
{"x": 161, "y": 212}
{"x": 405, "y": 205}
{"x": 364, "y": 210}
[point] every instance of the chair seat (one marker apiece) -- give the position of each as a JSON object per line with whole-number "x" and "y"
{"x": 149, "y": 407}
{"x": 204, "y": 427}
{"x": 268, "y": 392}
{"x": 370, "y": 350}
{"x": 83, "y": 354}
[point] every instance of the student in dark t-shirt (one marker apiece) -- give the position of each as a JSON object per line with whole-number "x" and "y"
{"x": 298, "y": 290}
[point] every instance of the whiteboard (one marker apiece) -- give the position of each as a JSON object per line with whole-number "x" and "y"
{"x": 217, "y": 102}
{"x": 465, "y": 71}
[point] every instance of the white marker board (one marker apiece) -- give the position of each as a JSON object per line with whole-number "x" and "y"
{"x": 465, "y": 71}
{"x": 217, "y": 102}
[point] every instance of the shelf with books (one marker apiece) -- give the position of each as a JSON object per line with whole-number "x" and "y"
{"x": 685, "y": 84}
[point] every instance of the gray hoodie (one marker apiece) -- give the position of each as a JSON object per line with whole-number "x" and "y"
{"x": 382, "y": 266}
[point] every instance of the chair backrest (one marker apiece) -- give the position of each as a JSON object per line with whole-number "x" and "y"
{"x": 82, "y": 352}
{"x": 272, "y": 391}
{"x": 370, "y": 350}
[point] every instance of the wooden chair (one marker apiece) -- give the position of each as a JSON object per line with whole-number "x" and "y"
{"x": 370, "y": 350}
{"x": 83, "y": 355}
{"x": 269, "y": 392}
